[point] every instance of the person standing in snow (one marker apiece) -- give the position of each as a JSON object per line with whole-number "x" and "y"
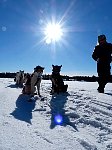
{"x": 103, "y": 55}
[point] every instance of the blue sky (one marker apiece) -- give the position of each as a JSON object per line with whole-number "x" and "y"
{"x": 22, "y": 44}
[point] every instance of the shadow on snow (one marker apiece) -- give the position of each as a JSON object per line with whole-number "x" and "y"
{"x": 58, "y": 115}
{"x": 109, "y": 94}
{"x": 23, "y": 110}
{"x": 15, "y": 86}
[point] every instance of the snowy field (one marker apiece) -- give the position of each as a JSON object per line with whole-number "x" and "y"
{"x": 86, "y": 114}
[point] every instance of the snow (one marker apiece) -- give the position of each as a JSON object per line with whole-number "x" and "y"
{"x": 86, "y": 114}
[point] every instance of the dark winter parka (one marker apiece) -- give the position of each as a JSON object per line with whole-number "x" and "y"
{"x": 102, "y": 54}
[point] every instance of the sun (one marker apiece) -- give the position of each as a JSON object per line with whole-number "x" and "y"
{"x": 53, "y": 32}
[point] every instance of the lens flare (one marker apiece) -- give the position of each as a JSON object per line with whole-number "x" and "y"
{"x": 58, "y": 119}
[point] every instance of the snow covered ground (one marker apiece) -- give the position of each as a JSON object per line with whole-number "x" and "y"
{"x": 86, "y": 114}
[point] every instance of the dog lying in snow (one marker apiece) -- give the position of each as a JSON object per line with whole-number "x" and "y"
{"x": 33, "y": 81}
{"x": 57, "y": 81}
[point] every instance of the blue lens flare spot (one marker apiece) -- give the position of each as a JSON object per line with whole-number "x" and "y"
{"x": 58, "y": 119}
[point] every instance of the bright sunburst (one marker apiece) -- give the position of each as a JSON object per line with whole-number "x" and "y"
{"x": 53, "y": 32}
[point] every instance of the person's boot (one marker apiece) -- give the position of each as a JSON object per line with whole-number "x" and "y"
{"x": 100, "y": 90}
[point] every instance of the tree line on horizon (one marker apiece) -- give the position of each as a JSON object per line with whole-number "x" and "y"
{"x": 65, "y": 77}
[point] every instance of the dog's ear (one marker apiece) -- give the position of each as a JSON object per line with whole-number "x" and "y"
{"x": 43, "y": 68}
{"x": 52, "y": 65}
{"x": 61, "y": 66}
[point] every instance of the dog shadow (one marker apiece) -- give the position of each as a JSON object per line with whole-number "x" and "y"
{"x": 23, "y": 110}
{"x": 13, "y": 86}
{"x": 58, "y": 113}
{"x": 109, "y": 94}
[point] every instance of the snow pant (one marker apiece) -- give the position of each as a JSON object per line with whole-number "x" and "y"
{"x": 103, "y": 75}
{"x": 102, "y": 81}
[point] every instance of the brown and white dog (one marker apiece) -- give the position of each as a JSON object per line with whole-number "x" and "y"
{"x": 33, "y": 82}
{"x": 27, "y": 85}
{"x": 36, "y": 79}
